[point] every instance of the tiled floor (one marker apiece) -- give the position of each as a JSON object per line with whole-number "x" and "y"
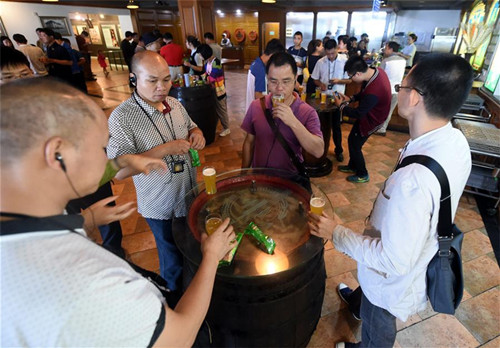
{"x": 477, "y": 321}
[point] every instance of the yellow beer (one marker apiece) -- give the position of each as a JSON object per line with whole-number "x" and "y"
{"x": 318, "y": 93}
{"x": 212, "y": 222}
{"x": 323, "y": 98}
{"x": 278, "y": 98}
{"x": 209, "y": 178}
{"x": 301, "y": 89}
{"x": 317, "y": 205}
{"x": 303, "y": 97}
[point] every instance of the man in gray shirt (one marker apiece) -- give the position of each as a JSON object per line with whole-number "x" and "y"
{"x": 216, "y": 49}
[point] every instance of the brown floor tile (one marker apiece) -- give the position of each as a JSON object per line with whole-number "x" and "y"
{"x": 439, "y": 331}
{"x": 353, "y": 212}
{"x": 337, "y": 263}
{"x": 332, "y": 302}
{"x": 332, "y": 329}
{"x": 148, "y": 259}
{"x": 481, "y": 315}
{"x": 415, "y": 318}
{"x": 475, "y": 244}
{"x": 494, "y": 343}
{"x": 480, "y": 275}
{"x": 338, "y": 199}
{"x": 468, "y": 219}
{"x": 138, "y": 242}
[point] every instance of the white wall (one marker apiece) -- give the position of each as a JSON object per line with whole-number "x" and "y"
{"x": 22, "y": 18}
{"x": 423, "y": 23}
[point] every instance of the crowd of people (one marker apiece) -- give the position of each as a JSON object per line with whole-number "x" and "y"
{"x": 55, "y": 155}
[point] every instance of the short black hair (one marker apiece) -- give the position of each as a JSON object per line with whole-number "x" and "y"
{"x": 330, "y": 44}
{"x": 364, "y": 35}
{"x": 12, "y": 57}
{"x": 38, "y": 29}
{"x": 343, "y": 38}
{"x": 128, "y": 34}
{"x": 20, "y": 38}
{"x": 66, "y": 40}
{"x": 280, "y": 59}
{"x": 298, "y": 33}
{"x": 355, "y": 64}
{"x": 274, "y": 46}
{"x": 193, "y": 40}
{"x": 209, "y": 36}
{"x": 414, "y": 37}
{"x": 205, "y": 51}
{"x": 48, "y": 31}
{"x": 168, "y": 36}
{"x": 57, "y": 36}
{"x": 446, "y": 80}
{"x": 353, "y": 38}
{"x": 84, "y": 33}
{"x": 393, "y": 45}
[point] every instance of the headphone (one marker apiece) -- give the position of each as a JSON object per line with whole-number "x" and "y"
{"x": 61, "y": 161}
{"x": 133, "y": 79}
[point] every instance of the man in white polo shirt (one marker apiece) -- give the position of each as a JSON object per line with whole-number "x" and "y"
{"x": 329, "y": 75}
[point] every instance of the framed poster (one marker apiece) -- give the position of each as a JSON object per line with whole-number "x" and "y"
{"x": 58, "y": 24}
{"x": 110, "y": 35}
{"x": 3, "y": 32}
{"x": 95, "y": 35}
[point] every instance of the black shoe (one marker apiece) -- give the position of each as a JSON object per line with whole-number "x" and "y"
{"x": 344, "y": 292}
{"x": 340, "y": 157}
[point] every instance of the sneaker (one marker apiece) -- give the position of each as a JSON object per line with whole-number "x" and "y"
{"x": 346, "y": 345}
{"x": 346, "y": 169}
{"x": 225, "y": 132}
{"x": 358, "y": 179}
{"x": 340, "y": 157}
{"x": 344, "y": 292}
{"x": 382, "y": 134}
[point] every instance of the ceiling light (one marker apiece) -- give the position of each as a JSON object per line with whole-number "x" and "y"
{"x": 268, "y": 1}
{"x": 101, "y": 16}
{"x": 219, "y": 11}
{"x": 238, "y": 12}
{"x": 132, "y": 5}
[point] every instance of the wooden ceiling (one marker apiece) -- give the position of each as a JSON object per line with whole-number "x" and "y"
{"x": 289, "y": 5}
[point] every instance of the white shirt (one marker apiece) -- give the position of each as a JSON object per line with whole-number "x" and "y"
{"x": 409, "y": 50}
{"x": 401, "y": 237}
{"x": 60, "y": 289}
{"x": 160, "y": 195}
{"x": 34, "y": 53}
{"x": 394, "y": 66}
{"x": 326, "y": 70}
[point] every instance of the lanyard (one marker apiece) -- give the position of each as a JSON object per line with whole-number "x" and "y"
{"x": 334, "y": 65}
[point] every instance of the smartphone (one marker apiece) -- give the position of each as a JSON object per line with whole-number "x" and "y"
{"x": 337, "y": 94}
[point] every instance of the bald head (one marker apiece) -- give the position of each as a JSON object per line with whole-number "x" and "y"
{"x": 34, "y": 110}
{"x": 147, "y": 59}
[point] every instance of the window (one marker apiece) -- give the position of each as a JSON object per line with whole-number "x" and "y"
{"x": 372, "y": 23}
{"x": 335, "y": 22}
{"x": 299, "y": 21}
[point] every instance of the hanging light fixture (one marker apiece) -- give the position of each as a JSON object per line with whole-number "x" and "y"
{"x": 132, "y": 5}
{"x": 268, "y": 1}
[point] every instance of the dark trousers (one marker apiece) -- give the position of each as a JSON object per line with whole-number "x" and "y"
{"x": 300, "y": 79}
{"x": 87, "y": 67}
{"x": 379, "y": 326}
{"x": 170, "y": 256}
{"x": 356, "y": 159}
{"x": 111, "y": 234}
{"x": 337, "y": 132}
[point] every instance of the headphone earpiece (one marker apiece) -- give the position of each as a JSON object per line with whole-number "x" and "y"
{"x": 133, "y": 79}
{"x": 61, "y": 161}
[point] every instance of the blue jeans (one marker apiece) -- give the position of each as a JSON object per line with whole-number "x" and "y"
{"x": 168, "y": 253}
{"x": 378, "y": 328}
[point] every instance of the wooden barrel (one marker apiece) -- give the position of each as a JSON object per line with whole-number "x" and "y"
{"x": 199, "y": 102}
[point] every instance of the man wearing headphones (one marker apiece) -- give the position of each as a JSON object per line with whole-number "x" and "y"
{"x": 58, "y": 287}
{"x": 156, "y": 125}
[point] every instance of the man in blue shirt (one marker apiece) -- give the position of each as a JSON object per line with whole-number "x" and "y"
{"x": 256, "y": 80}
{"x": 299, "y": 54}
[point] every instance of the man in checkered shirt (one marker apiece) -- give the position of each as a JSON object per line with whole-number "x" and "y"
{"x": 154, "y": 124}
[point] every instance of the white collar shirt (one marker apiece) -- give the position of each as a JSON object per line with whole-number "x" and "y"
{"x": 326, "y": 70}
{"x": 160, "y": 195}
{"x": 401, "y": 235}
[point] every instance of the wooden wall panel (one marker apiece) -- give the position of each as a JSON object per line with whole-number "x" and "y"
{"x": 248, "y": 22}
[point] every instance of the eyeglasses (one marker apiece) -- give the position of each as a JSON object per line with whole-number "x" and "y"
{"x": 351, "y": 76}
{"x": 399, "y": 87}
{"x": 284, "y": 83}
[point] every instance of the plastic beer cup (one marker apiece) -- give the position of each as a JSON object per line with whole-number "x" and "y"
{"x": 278, "y": 98}
{"x": 323, "y": 98}
{"x": 303, "y": 97}
{"x": 317, "y": 205}
{"x": 212, "y": 222}
{"x": 318, "y": 93}
{"x": 209, "y": 179}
